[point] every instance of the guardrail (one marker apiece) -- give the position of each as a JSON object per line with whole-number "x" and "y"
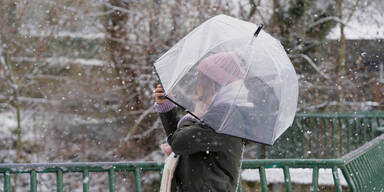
{"x": 286, "y": 164}
{"x": 110, "y": 168}
{"x": 59, "y": 169}
{"x": 363, "y": 170}
{"x": 324, "y": 136}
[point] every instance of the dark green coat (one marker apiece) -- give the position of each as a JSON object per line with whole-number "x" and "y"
{"x": 208, "y": 161}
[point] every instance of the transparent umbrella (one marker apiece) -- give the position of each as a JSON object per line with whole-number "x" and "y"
{"x": 234, "y": 80}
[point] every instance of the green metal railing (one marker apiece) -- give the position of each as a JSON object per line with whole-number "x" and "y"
{"x": 324, "y": 136}
{"x": 137, "y": 168}
{"x": 363, "y": 170}
{"x": 287, "y": 164}
{"x": 110, "y": 168}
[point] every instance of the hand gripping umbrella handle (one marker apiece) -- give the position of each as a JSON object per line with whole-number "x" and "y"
{"x": 186, "y": 110}
{"x": 174, "y": 102}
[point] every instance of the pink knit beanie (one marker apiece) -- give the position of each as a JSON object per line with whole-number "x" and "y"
{"x": 222, "y": 68}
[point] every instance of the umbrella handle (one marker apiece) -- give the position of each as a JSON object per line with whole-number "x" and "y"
{"x": 183, "y": 108}
{"x": 258, "y": 30}
{"x": 174, "y": 102}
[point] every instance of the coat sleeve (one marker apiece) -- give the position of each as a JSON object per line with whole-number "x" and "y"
{"x": 193, "y": 137}
{"x": 169, "y": 120}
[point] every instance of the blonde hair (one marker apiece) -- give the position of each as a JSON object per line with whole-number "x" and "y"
{"x": 205, "y": 88}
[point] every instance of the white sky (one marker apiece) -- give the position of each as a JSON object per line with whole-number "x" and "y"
{"x": 367, "y": 22}
{"x": 358, "y": 30}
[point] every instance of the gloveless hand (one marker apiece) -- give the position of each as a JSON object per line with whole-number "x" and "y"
{"x": 166, "y": 149}
{"x": 159, "y": 95}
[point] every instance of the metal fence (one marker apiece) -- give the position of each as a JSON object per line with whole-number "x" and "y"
{"x": 323, "y": 136}
{"x": 138, "y": 168}
{"x": 359, "y": 168}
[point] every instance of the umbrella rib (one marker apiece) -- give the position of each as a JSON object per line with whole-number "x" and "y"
{"x": 171, "y": 100}
{"x": 237, "y": 95}
{"x": 185, "y": 109}
{"x": 280, "y": 92}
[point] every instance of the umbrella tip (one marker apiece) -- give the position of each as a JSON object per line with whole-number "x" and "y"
{"x": 258, "y": 30}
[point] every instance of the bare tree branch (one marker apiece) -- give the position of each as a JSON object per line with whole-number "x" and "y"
{"x": 154, "y": 126}
{"x": 137, "y": 122}
{"x": 326, "y": 19}
{"x": 353, "y": 10}
{"x": 310, "y": 61}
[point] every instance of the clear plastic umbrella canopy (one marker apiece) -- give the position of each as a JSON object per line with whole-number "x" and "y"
{"x": 234, "y": 82}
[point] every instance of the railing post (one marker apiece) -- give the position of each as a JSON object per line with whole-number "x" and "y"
{"x": 364, "y": 125}
{"x": 287, "y": 179}
{"x": 356, "y": 132}
{"x": 33, "y": 181}
{"x": 269, "y": 155}
{"x": 333, "y": 137}
{"x": 302, "y": 140}
{"x": 317, "y": 137}
{"x": 364, "y": 169}
{"x": 85, "y": 180}
{"x": 325, "y": 137}
{"x": 372, "y": 131}
{"x": 137, "y": 180}
{"x": 378, "y": 121}
{"x": 356, "y": 175}
{"x": 111, "y": 178}
{"x": 59, "y": 180}
{"x": 258, "y": 150}
{"x": 240, "y": 185}
{"x": 348, "y": 135}
{"x": 263, "y": 180}
{"x": 309, "y": 153}
{"x": 341, "y": 136}
{"x": 348, "y": 178}
{"x": 315, "y": 179}
{"x": 295, "y": 149}
{"x": 336, "y": 179}
{"x": 288, "y": 143}
{"x": 7, "y": 181}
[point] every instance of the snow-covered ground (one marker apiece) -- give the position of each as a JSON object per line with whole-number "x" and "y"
{"x": 298, "y": 176}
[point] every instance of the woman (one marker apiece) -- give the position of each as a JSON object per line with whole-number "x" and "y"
{"x": 208, "y": 161}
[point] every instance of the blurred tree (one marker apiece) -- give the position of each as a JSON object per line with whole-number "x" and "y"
{"x": 17, "y": 77}
{"x": 341, "y": 57}
{"x": 303, "y": 26}
{"x": 87, "y": 66}
{"x": 92, "y": 61}
{"x": 135, "y": 39}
